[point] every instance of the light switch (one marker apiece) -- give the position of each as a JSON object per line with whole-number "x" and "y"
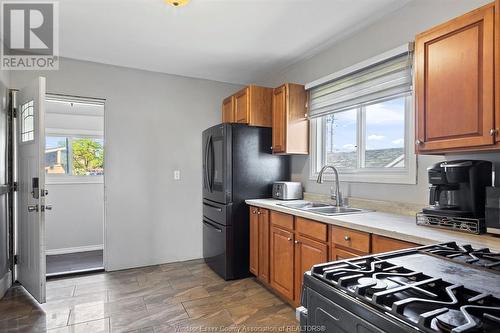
{"x": 177, "y": 174}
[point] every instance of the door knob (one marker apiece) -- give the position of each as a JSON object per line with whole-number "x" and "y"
{"x": 32, "y": 208}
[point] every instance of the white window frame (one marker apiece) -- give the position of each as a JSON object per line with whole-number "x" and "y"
{"x": 407, "y": 175}
{"x": 52, "y": 178}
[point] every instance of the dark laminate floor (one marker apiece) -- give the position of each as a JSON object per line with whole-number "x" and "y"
{"x": 74, "y": 262}
{"x": 176, "y": 297}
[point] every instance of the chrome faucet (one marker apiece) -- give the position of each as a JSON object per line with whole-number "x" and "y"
{"x": 339, "y": 202}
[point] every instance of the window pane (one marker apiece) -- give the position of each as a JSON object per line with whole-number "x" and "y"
{"x": 385, "y": 134}
{"x": 56, "y": 155}
{"x": 341, "y": 144}
{"x": 88, "y": 156}
{"x": 27, "y": 122}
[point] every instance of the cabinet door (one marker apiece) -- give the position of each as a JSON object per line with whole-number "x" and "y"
{"x": 339, "y": 254}
{"x": 454, "y": 83}
{"x": 228, "y": 110}
{"x": 263, "y": 245}
{"x": 307, "y": 254}
{"x": 242, "y": 106}
{"x": 282, "y": 261}
{"x": 497, "y": 70}
{"x": 254, "y": 241}
{"x": 279, "y": 119}
{"x": 381, "y": 244}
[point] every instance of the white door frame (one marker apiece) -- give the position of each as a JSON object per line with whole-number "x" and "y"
{"x": 95, "y": 101}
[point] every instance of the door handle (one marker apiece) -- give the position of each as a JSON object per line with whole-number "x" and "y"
{"x": 213, "y": 207}
{"x": 46, "y": 207}
{"x": 210, "y": 160}
{"x": 32, "y": 208}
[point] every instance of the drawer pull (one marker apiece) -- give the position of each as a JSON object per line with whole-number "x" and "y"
{"x": 347, "y": 238}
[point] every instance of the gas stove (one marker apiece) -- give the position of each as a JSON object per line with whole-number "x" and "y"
{"x": 438, "y": 288}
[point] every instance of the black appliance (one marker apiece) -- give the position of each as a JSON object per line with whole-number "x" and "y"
{"x": 434, "y": 289}
{"x": 238, "y": 164}
{"x": 458, "y": 188}
{"x": 493, "y": 210}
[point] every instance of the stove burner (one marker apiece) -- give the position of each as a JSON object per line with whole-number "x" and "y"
{"x": 431, "y": 303}
{"x": 450, "y": 320}
{"x": 373, "y": 283}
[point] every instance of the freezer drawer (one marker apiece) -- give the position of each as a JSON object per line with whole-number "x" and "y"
{"x": 216, "y": 238}
{"x": 217, "y": 212}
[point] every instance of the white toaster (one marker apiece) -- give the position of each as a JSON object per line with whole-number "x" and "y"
{"x": 287, "y": 190}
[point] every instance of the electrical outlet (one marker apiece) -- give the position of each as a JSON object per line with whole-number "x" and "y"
{"x": 177, "y": 175}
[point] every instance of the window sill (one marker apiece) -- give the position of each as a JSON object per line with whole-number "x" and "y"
{"x": 66, "y": 180}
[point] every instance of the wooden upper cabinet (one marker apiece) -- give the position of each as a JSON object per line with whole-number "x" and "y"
{"x": 252, "y": 106}
{"x": 454, "y": 83}
{"x": 228, "y": 110}
{"x": 497, "y": 70}
{"x": 289, "y": 120}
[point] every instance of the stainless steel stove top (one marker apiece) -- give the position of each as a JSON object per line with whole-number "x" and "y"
{"x": 439, "y": 288}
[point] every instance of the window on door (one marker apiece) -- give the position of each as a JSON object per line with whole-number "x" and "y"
{"x": 74, "y": 155}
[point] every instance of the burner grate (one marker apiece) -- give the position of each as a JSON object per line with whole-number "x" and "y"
{"x": 431, "y": 304}
{"x": 467, "y": 254}
{"x": 469, "y": 225}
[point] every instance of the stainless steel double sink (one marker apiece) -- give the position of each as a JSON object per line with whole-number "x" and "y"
{"x": 322, "y": 208}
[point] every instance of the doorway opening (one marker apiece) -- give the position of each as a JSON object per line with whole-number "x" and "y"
{"x": 74, "y": 181}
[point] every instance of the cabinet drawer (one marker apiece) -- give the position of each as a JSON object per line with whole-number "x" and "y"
{"x": 339, "y": 254}
{"x": 315, "y": 230}
{"x": 382, "y": 244}
{"x": 282, "y": 220}
{"x": 351, "y": 239}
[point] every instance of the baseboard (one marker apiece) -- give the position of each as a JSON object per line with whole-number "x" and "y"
{"x": 5, "y": 283}
{"x": 74, "y": 249}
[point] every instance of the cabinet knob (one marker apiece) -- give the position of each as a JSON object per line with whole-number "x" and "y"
{"x": 259, "y": 212}
{"x": 271, "y": 148}
{"x": 418, "y": 142}
{"x": 347, "y": 238}
{"x": 289, "y": 239}
{"x": 254, "y": 211}
{"x": 296, "y": 242}
{"x": 493, "y": 131}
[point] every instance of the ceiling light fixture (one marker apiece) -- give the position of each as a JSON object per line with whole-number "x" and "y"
{"x": 177, "y": 3}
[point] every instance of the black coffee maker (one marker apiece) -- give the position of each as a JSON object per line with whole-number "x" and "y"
{"x": 457, "y": 188}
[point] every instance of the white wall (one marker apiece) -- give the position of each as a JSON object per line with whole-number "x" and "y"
{"x": 391, "y": 31}
{"x": 76, "y": 221}
{"x": 153, "y": 125}
{"x": 77, "y": 217}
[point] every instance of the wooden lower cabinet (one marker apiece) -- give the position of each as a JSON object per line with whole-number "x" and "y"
{"x": 259, "y": 243}
{"x": 282, "y": 261}
{"x": 340, "y": 254}
{"x": 382, "y": 244}
{"x": 307, "y": 253}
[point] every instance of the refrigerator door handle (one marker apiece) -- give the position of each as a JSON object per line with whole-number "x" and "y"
{"x": 206, "y": 165}
{"x": 210, "y": 161}
{"x": 208, "y": 224}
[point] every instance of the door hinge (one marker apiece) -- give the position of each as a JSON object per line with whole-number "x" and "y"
{"x": 14, "y": 187}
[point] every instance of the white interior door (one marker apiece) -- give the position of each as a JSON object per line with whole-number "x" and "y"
{"x": 31, "y": 195}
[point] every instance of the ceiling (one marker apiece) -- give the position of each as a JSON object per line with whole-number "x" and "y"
{"x": 237, "y": 41}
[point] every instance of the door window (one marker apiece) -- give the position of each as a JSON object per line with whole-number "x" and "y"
{"x": 27, "y": 122}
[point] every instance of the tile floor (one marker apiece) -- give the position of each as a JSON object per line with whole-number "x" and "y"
{"x": 177, "y": 297}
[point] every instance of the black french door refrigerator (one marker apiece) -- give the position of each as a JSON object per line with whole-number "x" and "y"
{"x": 238, "y": 164}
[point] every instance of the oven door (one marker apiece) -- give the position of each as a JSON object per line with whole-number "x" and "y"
{"x": 217, "y": 164}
